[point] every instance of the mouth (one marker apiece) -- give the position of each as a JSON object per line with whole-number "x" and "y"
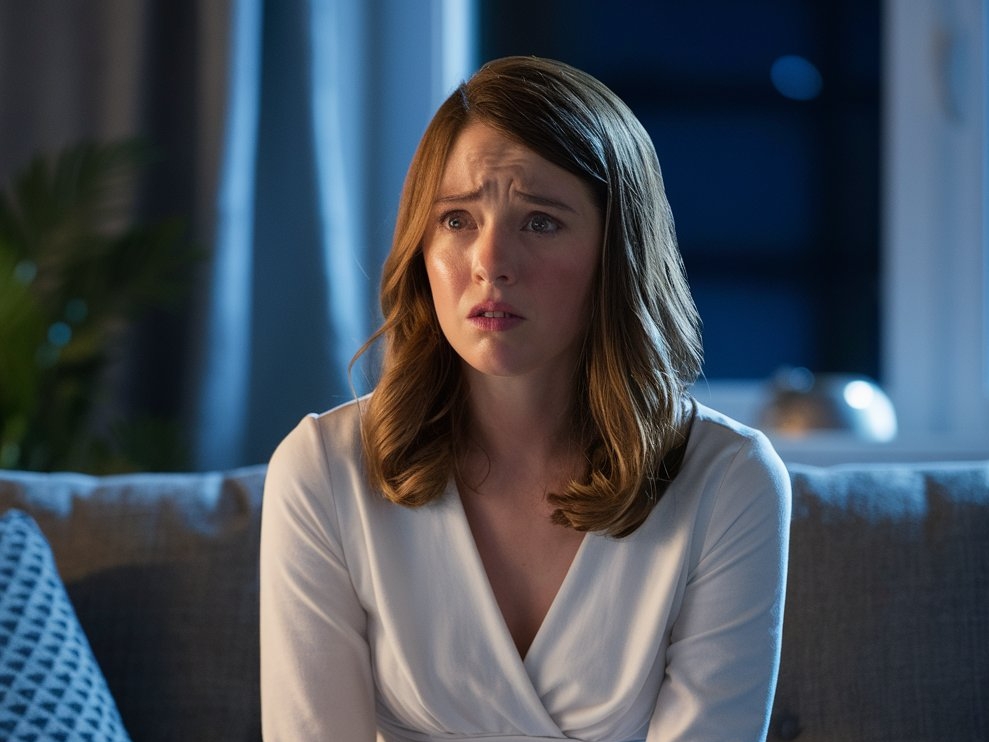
{"x": 490, "y": 310}
{"x": 495, "y": 317}
{"x": 493, "y": 314}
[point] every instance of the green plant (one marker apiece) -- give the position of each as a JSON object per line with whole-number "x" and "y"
{"x": 75, "y": 274}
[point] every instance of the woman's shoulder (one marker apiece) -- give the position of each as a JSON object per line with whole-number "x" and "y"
{"x": 739, "y": 483}
{"x": 724, "y": 451}
{"x": 322, "y": 447}
{"x": 341, "y": 424}
{"x": 335, "y": 431}
{"x": 713, "y": 433}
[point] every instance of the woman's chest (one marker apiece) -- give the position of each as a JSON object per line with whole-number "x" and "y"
{"x": 525, "y": 559}
{"x": 445, "y": 654}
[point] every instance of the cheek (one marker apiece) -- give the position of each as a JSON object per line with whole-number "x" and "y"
{"x": 443, "y": 274}
{"x": 573, "y": 283}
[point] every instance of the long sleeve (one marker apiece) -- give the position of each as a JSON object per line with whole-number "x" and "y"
{"x": 724, "y": 647}
{"x": 316, "y": 679}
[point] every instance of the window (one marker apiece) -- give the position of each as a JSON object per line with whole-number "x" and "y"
{"x": 835, "y": 222}
{"x": 765, "y": 115}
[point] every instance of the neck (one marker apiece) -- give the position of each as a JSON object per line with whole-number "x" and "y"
{"x": 516, "y": 421}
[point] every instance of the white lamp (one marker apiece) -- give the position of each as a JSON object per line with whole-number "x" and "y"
{"x": 802, "y": 403}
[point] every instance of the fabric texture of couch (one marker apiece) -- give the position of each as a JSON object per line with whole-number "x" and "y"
{"x": 886, "y": 637}
{"x": 886, "y": 633}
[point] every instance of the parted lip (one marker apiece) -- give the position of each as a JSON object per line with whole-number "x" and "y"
{"x": 495, "y": 309}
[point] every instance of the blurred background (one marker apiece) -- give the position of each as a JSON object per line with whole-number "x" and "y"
{"x": 198, "y": 197}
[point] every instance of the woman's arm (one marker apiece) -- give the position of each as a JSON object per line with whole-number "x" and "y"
{"x": 724, "y": 649}
{"x": 315, "y": 669}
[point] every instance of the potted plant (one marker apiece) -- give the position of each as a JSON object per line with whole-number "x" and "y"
{"x": 76, "y": 272}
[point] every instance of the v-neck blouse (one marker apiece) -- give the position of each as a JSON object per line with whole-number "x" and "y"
{"x": 378, "y": 620}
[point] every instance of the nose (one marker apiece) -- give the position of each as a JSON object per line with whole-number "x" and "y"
{"x": 495, "y": 256}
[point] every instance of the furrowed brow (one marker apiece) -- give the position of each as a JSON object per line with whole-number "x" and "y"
{"x": 531, "y": 198}
{"x": 538, "y": 200}
{"x": 469, "y": 196}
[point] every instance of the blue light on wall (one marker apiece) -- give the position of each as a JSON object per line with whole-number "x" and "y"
{"x": 796, "y": 77}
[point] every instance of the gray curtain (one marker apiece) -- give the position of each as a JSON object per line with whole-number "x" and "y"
{"x": 286, "y": 128}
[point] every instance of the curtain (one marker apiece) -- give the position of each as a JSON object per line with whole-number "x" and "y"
{"x": 107, "y": 70}
{"x": 286, "y": 127}
{"x": 327, "y": 99}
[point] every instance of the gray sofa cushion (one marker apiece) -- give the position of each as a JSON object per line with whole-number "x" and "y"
{"x": 162, "y": 570}
{"x": 886, "y": 635}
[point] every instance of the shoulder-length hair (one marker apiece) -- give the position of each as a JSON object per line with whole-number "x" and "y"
{"x": 631, "y": 409}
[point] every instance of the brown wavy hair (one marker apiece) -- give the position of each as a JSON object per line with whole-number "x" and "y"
{"x": 632, "y": 409}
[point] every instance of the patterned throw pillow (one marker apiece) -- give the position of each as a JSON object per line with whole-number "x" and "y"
{"x": 51, "y": 687}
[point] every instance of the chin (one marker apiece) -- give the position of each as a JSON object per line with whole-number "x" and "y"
{"x": 494, "y": 367}
{"x": 493, "y": 370}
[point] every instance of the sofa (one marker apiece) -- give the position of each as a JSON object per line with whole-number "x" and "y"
{"x": 886, "y": 635}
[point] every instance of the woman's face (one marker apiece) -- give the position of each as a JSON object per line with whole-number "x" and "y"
{"x": 511, "y": 255}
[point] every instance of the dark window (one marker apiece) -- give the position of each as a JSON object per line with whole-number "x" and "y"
{"x": 765, "y": 115}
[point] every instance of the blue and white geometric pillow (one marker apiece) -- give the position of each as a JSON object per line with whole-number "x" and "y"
{"x": 51, "y": 687}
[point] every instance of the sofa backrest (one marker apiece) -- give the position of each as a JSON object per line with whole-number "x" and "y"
{"x": 886, "y": 633}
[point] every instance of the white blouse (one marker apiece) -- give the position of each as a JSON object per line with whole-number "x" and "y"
{"x": 378, "y": 619}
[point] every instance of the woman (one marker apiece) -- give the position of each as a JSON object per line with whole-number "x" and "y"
{"x": 528, "y": 530}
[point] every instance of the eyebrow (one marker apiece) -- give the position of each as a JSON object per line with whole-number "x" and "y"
{"x": 532, "y": 198}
